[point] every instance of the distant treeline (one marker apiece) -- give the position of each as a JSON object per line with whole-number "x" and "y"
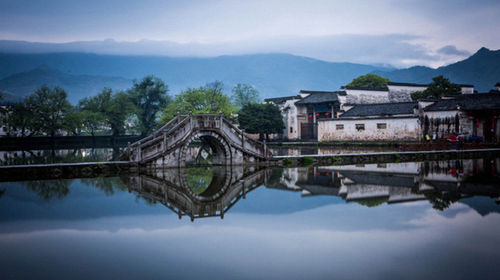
{"x": 138, "y": 110}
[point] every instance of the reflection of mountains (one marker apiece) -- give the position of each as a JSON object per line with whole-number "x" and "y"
{"x": 171, "y": 188}
{"x": 440, "y": 182}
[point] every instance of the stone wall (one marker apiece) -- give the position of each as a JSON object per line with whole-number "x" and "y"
{"x": 357, "y": 96}
{"x": 396, "y": 129}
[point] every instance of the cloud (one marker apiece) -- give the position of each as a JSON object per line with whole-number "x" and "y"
{"x": 452, "y": 50}
{"x": 393, "y": 49}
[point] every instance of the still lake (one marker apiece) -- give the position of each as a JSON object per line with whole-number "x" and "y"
{"x": 434, "y": 220}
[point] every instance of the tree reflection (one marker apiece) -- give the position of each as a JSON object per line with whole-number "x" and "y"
{"x": 107, "y": 184}
{"x": 199, "y": 178}
{"x": 49, "y": 189}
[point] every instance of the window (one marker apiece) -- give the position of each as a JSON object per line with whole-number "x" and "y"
{"x": 339, "y": 127}
{"x": 360, "y": 126}
{"x": 381, "y": 125}
{"x": 291, "y": 129}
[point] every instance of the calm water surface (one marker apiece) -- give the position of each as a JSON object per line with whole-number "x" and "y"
{"x": 433, "y": 220}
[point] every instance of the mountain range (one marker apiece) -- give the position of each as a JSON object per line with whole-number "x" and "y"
{"x": 85, "y": 74}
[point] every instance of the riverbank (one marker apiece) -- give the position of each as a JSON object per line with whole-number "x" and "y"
{"x": 115, "y": 168}
{"x": 401, "y": 146}
{"x": 384, "y": 157}
{"x": 64, "y": 142}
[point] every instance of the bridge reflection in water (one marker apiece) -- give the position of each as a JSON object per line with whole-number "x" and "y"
{"x": 212, "y": 191}
{"x": 198, "y": 192}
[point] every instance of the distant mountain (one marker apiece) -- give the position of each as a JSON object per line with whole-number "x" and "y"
{"x": 8, "y": 98}
{"x": 84, "y": 74}
{"x": 77, "y": 86}
{"x": 482, "y": 69}
{"x": 272, "y": 74}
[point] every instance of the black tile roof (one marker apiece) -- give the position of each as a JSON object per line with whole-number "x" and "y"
{"x": 380, "y": 109}
{"x": 279, "y": 100}
{"x": 497, "y": 84}
{"x": 389, "y": 179}
{"x": 476, "y": 101}
{"x": 319, "y": 98}
{"x": 407, "y": 84}
{"x": 420, "y": 85}
{"x": 320, "y": 91}
{"x": 365, "y": 88}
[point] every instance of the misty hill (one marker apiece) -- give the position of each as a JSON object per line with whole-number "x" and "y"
{"x": 77, "y": 86}
{"x": 8, "y": 98}
{"x": 482, "y": 69}
{"x": 272, "y": 74}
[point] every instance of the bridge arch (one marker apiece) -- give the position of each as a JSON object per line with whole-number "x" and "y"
{"x": 220, "y": 147}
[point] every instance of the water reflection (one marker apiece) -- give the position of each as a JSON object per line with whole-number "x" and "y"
{"x": 327, "y": 150}
{"x": 197, "y": 192}
{"x": 442, "y": 183}
{"x": 58, "y": 156}
{"x": 200, "y": 192}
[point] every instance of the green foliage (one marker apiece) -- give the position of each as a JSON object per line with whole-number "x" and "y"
{"x": 20, "y": 120}
{"x": 336, "y": 160}
{"x": 372, "y": 202}
{"x": 41, "y": 113}
{"x": 73, "y": 121}
{"x": 49, "y": 189}
{"x": 287, "y": 161}
{"x": 243, "y": 94}
{"x": 261, "y": 118}
{"x": 439, "y": 87}
{"x": 107, "y": 109}
{"x": 208, "y": 99}
{"x": 397, "y": 157}
{"x": 442, "y": 200}
{"x": 199, "y": 178}
{"x": 149, "y": 97}
{"x": 369, "y": 81}
{"x": 307, "y": 161}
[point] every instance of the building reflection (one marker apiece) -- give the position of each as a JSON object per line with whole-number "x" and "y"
{"x": 442, "y": 183}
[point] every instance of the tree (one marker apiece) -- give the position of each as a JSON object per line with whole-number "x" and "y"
{"x": 261, "y": 118}
{"x": 92, "y": 113}
{"x": 109, "y": 109}
{"x": 74, "y": 121}
{"x": 243, "y": 94}
{"x": 20, "y": 119}
{"x": 50, "y": 106}
{"x": 149, "y": 96}
{"x": 369, "y": 81}
{"x": 439, "y": 87}
{"x": 208, "y": 99}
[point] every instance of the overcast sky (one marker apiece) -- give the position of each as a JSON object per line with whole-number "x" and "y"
{"x": 401, "y": 33}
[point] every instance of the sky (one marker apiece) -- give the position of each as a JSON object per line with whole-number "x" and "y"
{"x": 401, "y": 33}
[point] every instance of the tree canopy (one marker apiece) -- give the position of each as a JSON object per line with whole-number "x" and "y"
{"x": 243, "y": 94}
{"x": 149, "y": 97}
{"x": 261, "y": 118}
{"x": 439, "y": 87}
{"x": 208, "y": 99}
{"x": 369, "y": 81}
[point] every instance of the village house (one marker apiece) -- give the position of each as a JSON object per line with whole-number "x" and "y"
{"x": 388, "y": 114}
{"x": 371, "y": 122}
{"x": 302, "y": 112}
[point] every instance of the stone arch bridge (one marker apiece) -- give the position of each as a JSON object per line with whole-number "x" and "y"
{"x": 168, "y": 146}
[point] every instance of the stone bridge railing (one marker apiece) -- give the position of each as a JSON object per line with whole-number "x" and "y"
{"x": 174, "y": 134}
